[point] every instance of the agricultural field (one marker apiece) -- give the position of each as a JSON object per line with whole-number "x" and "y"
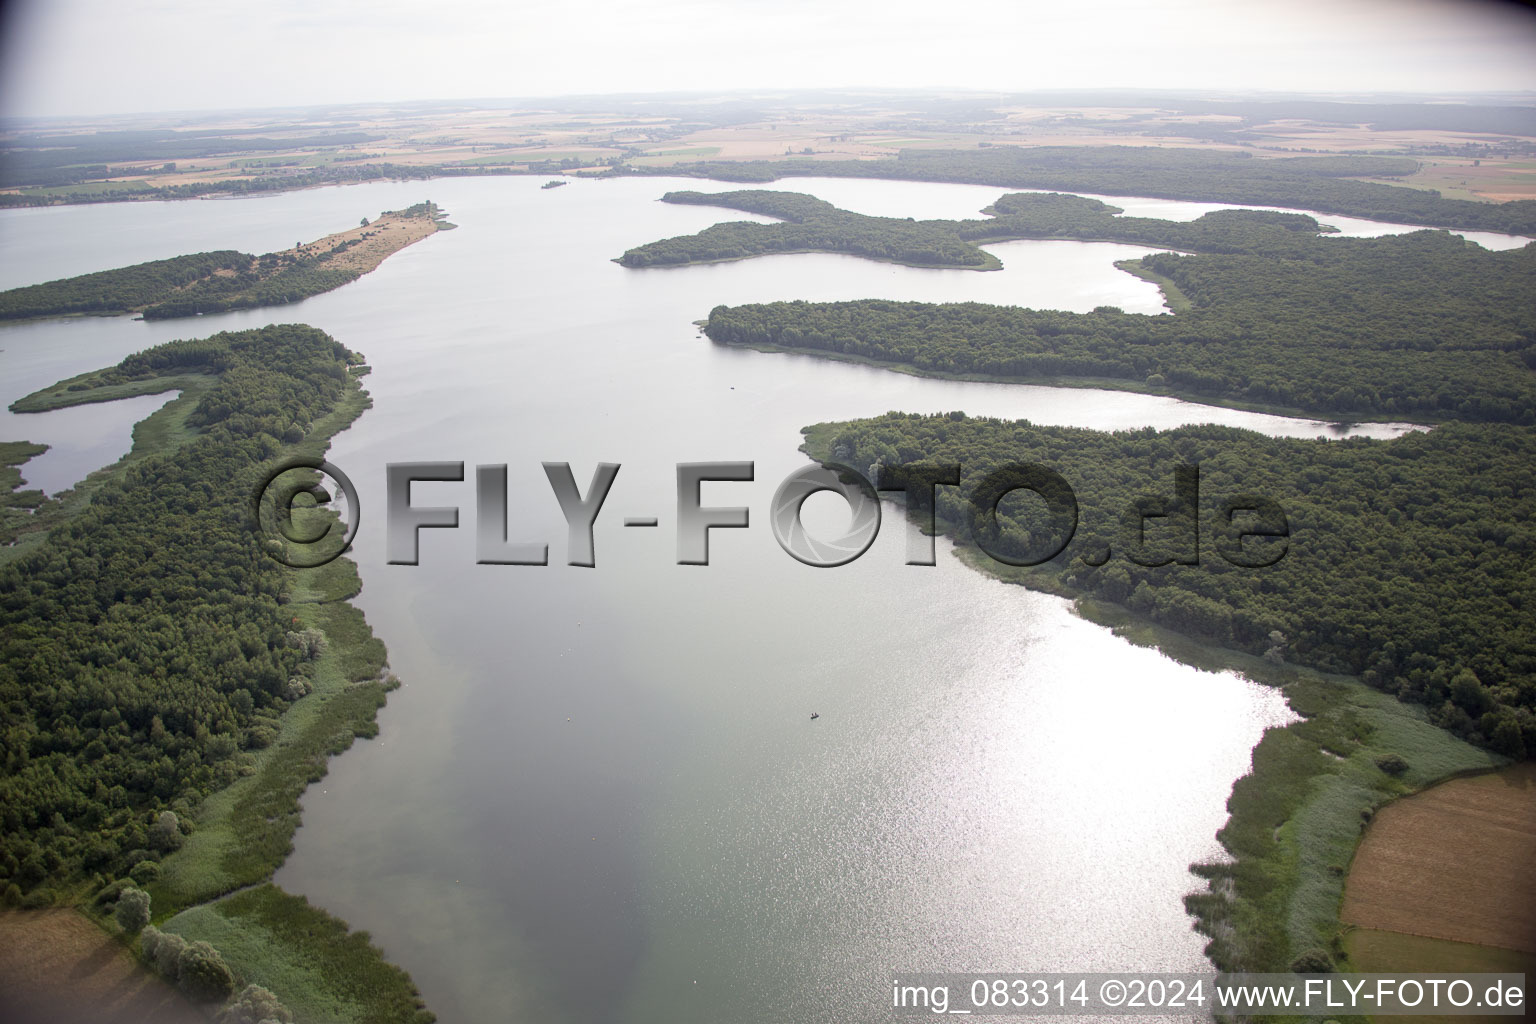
{"x": 1452, "y": 863}
{"x": 58, "y": 967}
{"x": 1488, "y": 157}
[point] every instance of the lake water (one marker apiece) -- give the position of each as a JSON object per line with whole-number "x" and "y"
{"x": 600, "y": 795}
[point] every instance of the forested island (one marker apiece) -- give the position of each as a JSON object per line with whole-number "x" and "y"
{"x": 1274, "y": 314}
{"x": 814, "y": 225}
{"x": 168, "y": 690}
{"x": 222, "y": 281}
{"x": 810, "y": 225}
{"x": 1304, "y": 182}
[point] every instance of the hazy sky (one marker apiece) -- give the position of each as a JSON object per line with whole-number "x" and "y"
{"x": 117, "y": 56}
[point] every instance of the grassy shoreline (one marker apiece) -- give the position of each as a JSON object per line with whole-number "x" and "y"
{"x": 217, "y": 887}
{"x": 1173, "y": 295}
{"x": 991, "y": 262}
{"x": 163, "y": 430}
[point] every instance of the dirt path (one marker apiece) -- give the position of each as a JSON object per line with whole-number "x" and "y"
{"x": 57, "y": 967}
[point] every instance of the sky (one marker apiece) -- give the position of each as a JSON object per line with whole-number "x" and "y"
{"x": 83, "y": 57}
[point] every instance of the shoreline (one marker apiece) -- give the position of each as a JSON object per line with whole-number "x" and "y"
{"x": 1296, "y": 819}
{"x": 991, "y": 263}
{"x": 695, "y": 171}
{"x": 217, "y": 886}
{"x": 1280, "y": 891}
{"x": 1084, "y": 383}
{"x": 256, "y": 924}
{"x": 269, "y": 280}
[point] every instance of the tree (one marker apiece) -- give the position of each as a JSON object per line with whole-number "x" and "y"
{"x": 1506, "y": 736}
{"x": 168, "y": 948}
{"x": 255, "y": 1005}
{"x": 165, "y": 833}
{"x": 1313, "y": 961}
{"x": 202, "y": 973}
{"x": 310, "y": 642}
{"x": 149, "y": 941}
{"x": 365, "y": 222}
{"x": 133, "y": 910}
{"x": 1276, "y": 652}
{"x": 1468, "y": 692}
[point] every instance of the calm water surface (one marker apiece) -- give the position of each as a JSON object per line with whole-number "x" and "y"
{"x": 600, "y": 796}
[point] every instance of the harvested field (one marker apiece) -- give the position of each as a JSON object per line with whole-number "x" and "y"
{"x": 57, "y": 967}
{"x": 1453, "y": 862}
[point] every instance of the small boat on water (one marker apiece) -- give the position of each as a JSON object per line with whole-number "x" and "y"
{"x": 553, "y": 184}
{"x": 814, "y": 716}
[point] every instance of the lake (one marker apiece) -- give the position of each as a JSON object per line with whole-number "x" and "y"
{"x": 600, "y": 796}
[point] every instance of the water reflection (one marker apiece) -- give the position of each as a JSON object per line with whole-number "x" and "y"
{"x": 81, "y": 439}
{"x": 600, "y": 796}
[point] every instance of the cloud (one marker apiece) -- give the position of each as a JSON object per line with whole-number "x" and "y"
{"x": 99, "y": 56}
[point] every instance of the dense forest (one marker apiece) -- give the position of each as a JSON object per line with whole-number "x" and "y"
{"x": 144, "y": 645}
{"x": 814, "y": 225}
{"x": 207, "y": 282}
{"x": 810, "y": 225}
{"x": 1323, "y": 183}
{"x": 1054, "y": 215}
{"x": 1408, "y": 563}
{"x": 182, "y": 286}
{"x": 1422, "y": 324}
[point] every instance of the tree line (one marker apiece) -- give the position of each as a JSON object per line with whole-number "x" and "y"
{"x": 1423, "y": 324}
{"x": 145, "y": 645}
{"x": 183, "y": 286}
{"x": 1410, "y": 563}
{"x": 809, "y": 225}
{"x": 814, "y": 225}
{"x": 207, "y": 282}
{"x": 1323, "y": 183}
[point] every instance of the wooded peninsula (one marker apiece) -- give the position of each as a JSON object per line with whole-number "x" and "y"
{"x": 168, "y": 690}
{"x": 222, "y": 281}
{"x": 1275, "y": 313}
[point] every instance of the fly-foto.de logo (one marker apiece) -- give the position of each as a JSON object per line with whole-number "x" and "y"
{"x": 1245, "y": 530}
